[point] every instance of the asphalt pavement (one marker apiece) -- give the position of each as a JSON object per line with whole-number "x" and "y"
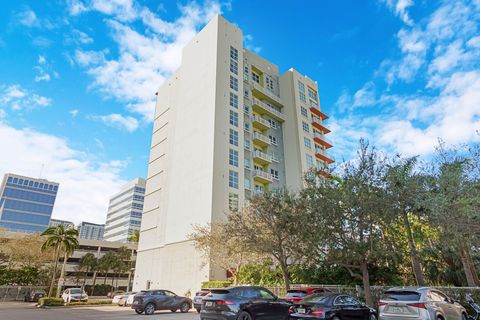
{"x": 28, "y": 311}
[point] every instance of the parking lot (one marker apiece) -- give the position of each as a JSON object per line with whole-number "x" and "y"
{"x": 28, "y": 311}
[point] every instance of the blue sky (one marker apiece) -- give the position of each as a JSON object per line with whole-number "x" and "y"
{"x": 78, "y": 78}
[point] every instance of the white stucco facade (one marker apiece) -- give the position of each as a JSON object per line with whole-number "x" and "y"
{"x": 220, "y": 134}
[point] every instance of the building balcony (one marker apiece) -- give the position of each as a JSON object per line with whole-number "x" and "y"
{"x": 262, "y": 176}
{"x": 261, "y": 157}
{"x": 321, "y": 140}
{"x": 322, "y": 155}
{"x": 260, "y": 123}
{"x": 317, "y": 125}
{"x": 261, "y": 139}
{"x": 263, "y": 93}
{"x": 318, "y": 113}
{"x": 263, "y": 108}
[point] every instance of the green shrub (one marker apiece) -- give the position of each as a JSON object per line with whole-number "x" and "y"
{"x": 216, "y": 284}
{"x": 50, "y": 302}
{"x": 90, "y": 302}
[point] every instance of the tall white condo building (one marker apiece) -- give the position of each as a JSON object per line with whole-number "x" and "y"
{"x": 125, "y": 211}
{"x": 227, "y": 126}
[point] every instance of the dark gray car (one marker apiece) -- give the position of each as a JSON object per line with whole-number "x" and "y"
{"x": 150, "y": 300}
{"x": 419, "y": 304}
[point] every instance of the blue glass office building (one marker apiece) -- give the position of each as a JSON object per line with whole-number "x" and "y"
{"x": 26, "y": 204}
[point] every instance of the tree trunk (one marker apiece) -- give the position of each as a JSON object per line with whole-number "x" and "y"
{"x": 466, "y": 265}
{"x": 416, "y": 265}
{"x": 366, "y": 283}
{"x": 105, "y": 278}
{"x": 473, "y": 268}
{"x": 62, "y": 275}
{"x": 54, "y": 275}
{"x": 286, "y": 278}
{"x": 94, "y": 280}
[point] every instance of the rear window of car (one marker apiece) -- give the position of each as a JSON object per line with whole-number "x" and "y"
{"x": 296, "y": 293}
{"x": 201, "y": 293}
{"x": 75, "y": 291}
{"x": 220, "y": 291}
{"x": 316, "y": 298}
{"x": 401, "y": 296}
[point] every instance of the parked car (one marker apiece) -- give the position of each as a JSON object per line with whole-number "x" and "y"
{"x": 150, "y": 300}
{"x": 334, "y": 306}
{"x": 34, "y": 295}
{"x": 123, "y": 299}
{"x": 296, "y": 295}
{"x": 74, "y": 295}
{"x": 130, "y": 299}
{"x": 243, "y": 303}
{"x": 116, "y": 298}
{"x": 197, "y": 300}
{"x": 419, "y": 303}
{"x": 112, "y": 294}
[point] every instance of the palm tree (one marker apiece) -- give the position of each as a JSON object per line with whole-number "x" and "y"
{"x": 105, "y": 263}
{"x": 135, "y": 237}
{"x": 88, "y": 263}
{"x": 60, "y": 239}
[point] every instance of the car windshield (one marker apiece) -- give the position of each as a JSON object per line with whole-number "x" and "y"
{"x": 75, "y": 291}
{"x": 401, "y": 296}
{"x": 201, "y": 293}
{"x": 316, "y": 298}
{"x": 296, "y": 293}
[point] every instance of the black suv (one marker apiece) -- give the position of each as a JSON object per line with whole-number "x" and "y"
{"x": 150, "y": 300}
{"x": 243, "y": 303}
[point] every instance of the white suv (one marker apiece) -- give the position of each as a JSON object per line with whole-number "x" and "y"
{"x": 74, "y": 295}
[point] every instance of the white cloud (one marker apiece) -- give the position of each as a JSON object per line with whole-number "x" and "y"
{"x": 146, "y": 57}
{"x": 76, "y": 7}
{"x": 18, "y": 98}
{"x": 73, "y": 112}
{"x": 119, "y": 121}
{"x": 78, "y": 37}
{"x": 399, "y": 7}
{"x": 85, "y": 183}
{"x": 441, "y": 56}
{"x": 248, "y": 39}
{"x": 41, "y": 59}
{"x": 28, "y": 18}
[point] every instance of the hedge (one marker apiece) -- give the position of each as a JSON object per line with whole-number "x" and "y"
{"x": 90, "y": 302}
{"x": 43, "y": 302}
{"x": 216, "y": 284}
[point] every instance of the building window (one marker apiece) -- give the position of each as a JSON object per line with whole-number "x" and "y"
{"x": 245, "y": 93}
{"x": 248, "y": 163}
{"x": 258, "y": 189}
{"x": 304, "y": 111}
{"x": 302, "y": 97}
{"x": 320, "y": 165}
{"x": 245, "y": 71}
{"x": 233, "y": 66}
{"x": 274, "y": 173}
{"x": 247, "y": 144}
{"x": 233, "y": 83}
{"x": 233, "y": 137}
{"x": 233, "y": 201}
{"x": 233, "y": 118}
{"x": 247, "y": 126}
{"x": 233, "y": 53}
{"x": 273, "y": 123}
{"x": 312, "y": 94}
{"x": 307, "y": 143}
{"x": 273, "y": 140}
{"x": 274, "y": 156}
{"x": 269, "y": 83}
{"x": 233, "y": 179}
{"x": 309, "y": 160}
{"x": 247, "y": 184}
{"x": 233, "y": 158}
{"x": 255, "y": 77}
{"x": 233, "y": 100}
{"x": 312, "y": 103}
{"x": 305, "y": 126}
{"x": 301, "y": 86}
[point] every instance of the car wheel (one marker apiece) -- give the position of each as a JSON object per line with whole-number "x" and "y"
{"x": 149, "y": 309}
{"x": 464, "y": 316}
{"x": 173, "y": 310}
{"x": 244, "y": 316}
{"x": 336, "y": 318}
{"x": 138, "y": 311}
{"x": 185, "y": 307}
{"x": 373, "y": 316}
